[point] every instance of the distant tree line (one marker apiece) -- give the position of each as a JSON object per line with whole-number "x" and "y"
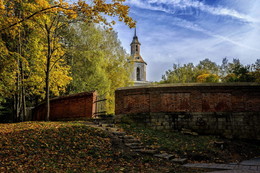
{"x": 209, "y": 72}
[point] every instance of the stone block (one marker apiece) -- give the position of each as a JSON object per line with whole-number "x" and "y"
{"x": 165, "y": 156}
{"x": 146, "y": 151}
{"x": 179, "y": 160}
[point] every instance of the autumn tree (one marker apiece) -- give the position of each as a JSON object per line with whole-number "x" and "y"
{"x": 180, "y": 74}
{"x": 98, "y": 62}
{"x": 47, "y": 14}
{"x": 256, "y": 70}
{"x": 208, "y": 78}
{"x": 209, "y": 72}
{"x": 7, "y": 80}
{"x": 207, "y": 66}
{"x": 239, "y": 72}
{"x": 13, "y": 40}
{"x": 205, "y": 71}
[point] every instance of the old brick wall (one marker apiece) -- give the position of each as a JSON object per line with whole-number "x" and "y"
{"x": 80, "y": 105}
{"x": 231, "y": 110}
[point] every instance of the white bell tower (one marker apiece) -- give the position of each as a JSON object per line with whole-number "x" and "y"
{"x": 139, "y": 72}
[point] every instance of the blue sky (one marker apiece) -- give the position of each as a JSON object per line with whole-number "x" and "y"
{"x": 183, "y": 31}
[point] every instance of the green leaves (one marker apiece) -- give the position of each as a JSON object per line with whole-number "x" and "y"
{"x": 98, "y": 62}
{"x": 32, "y": 49}
{"x": 210, "y": 72}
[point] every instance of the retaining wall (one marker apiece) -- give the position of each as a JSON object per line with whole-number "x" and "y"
{"x": 231, "y": 110}
{"x": 80, "y": 105}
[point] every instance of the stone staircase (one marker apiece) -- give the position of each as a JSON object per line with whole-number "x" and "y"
{"x": 133, "y": 143}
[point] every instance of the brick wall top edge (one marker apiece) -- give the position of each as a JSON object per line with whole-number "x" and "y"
{"x": 78, "y": 95}
{"x": 191, "y": 85}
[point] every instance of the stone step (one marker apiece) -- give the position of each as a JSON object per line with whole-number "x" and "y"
{"x": 179, "y": 160}
{"x": 134, "y": 145}
{"x": 112, "y": 129}
{"x": 106, "y": 125}
{"x": 189, "y": 132}
{"x": 145, "y": 151}
{"x": 119, "y": 134}
{"x": 165, "y": 156}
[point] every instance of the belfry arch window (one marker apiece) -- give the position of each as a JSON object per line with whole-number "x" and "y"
{"x": 138, "y": 74}
{"x": 136, "y": 48}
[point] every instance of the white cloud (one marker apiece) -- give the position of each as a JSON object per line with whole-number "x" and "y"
{"x": 171, "y": 32}
{"x": 190, "y": 25}
{"x": 173, "y": 5}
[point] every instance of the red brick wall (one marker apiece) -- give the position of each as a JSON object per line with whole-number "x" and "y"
{"x": 230, "y": 110}
{"x": 72, "y": 106}
{"x": 242, "y": 97}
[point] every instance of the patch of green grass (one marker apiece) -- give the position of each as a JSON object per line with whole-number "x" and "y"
{"x": 195, "y": 148}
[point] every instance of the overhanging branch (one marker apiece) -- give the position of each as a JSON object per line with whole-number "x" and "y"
{"x": 30, "y": 16}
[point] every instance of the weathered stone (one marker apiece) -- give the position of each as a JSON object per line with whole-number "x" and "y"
{"x": 188, "y": 132}
{"x": 112, "y": 129}
{"x": 179, "y": 160}
{"x": 145, "y": 151}
{"x": 165, "y": 156}
{"x": 134, "y": 145}
{"x": 103, "y": 125}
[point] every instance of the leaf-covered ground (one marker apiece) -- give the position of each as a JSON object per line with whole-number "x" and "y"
{"x": 70, "y": 147}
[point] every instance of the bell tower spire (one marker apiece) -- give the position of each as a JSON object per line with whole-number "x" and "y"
{"x": 135, "y": 45}
{"x": 139, "y": 71}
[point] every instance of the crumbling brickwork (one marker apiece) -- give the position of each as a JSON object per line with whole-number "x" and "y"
{"x": 231, "y": 110}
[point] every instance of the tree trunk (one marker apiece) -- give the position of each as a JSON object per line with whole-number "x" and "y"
{"x": 47, "y": 90}
{"x": 23, "y": 99}
{"x": 22, "y": 88}
{"x": 47, "y": 79}
{"x": 17, "y": 101}
{"x": 17, "y": 96}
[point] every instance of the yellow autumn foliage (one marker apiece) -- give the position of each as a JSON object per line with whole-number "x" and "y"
{"x": 210, "y": 78}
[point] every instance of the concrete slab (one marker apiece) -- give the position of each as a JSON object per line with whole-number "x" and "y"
{"x": 255, "y": 161}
